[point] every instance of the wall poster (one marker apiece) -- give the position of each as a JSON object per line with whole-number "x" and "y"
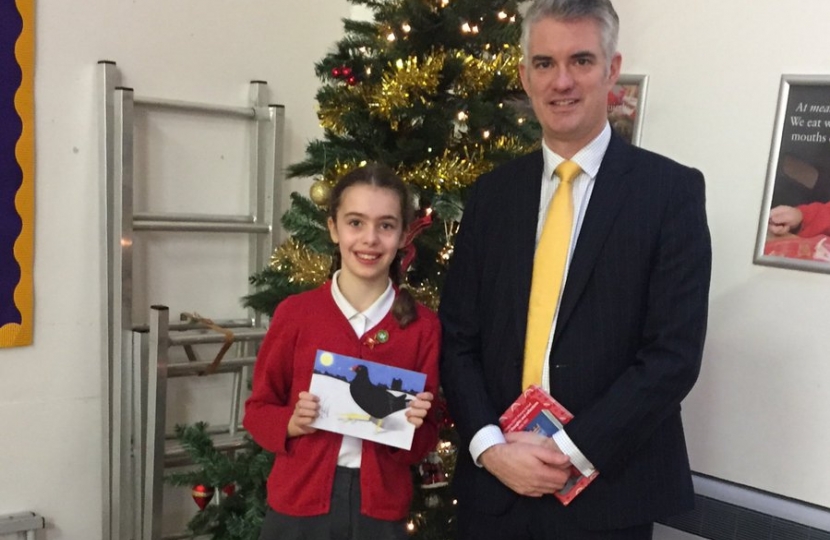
{"x": 794, "y": 229}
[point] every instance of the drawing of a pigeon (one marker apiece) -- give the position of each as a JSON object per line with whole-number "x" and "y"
{"x": 376, "y": 401}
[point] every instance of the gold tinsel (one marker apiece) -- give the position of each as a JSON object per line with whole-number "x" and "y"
{"x": 404, "y": 81}
{"x": 458, "y": 168}
{"x": 513, "y": 145}
{"x": 427, "y": 294}
{"x": 332, "y": 174}
{"x": 303, "y": 266}
{"x": 333, "y": 109}
{"x": 478, "y": 73}
{"x": 454, "y": 169}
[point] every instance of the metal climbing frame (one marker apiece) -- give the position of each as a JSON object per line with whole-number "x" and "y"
{"x": 131, "y": 390}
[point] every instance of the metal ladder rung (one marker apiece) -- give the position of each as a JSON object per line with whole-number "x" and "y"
{"x": 176, "y": 327}
{"x": 192, "y": 368}
{"x": 192, "y": 218}
{"x": 245, "y": 334}
{"x": 201, "y": 226}
{"x": 198, "y": 222}
{"x": 251, "y": 113}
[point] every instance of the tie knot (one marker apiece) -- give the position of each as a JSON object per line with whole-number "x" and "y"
{"x": 567, "y": 171}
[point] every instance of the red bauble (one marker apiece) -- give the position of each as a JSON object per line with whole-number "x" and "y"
{"x": 202, "y": 495}
{"x": 352, "y": 80}
{"x": 229, "y": 490}
{"x": 336, "y": 73}
{"x": 346, "y": 71}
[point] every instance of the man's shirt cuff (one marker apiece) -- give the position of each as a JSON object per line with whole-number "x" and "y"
{"x": 486, "y": 437}
{"x": 568, "y": 447}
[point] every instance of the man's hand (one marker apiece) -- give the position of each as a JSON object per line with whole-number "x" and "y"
{"x": 532, "y": 438}
{"x": 529, "y": 464}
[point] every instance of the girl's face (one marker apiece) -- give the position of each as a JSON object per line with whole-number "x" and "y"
{"x": 369, "y": 231}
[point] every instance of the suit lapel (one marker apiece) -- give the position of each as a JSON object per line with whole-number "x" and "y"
{"x": 527, "y": 208}
{"x": 608, "y": 197}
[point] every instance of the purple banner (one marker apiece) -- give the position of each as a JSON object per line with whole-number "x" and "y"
{"x": 16, "y": 171}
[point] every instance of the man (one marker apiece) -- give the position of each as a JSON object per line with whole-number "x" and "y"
{"x": 623, "y": 342}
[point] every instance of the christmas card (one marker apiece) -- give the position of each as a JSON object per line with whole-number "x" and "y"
{"x": 365, "y": 399}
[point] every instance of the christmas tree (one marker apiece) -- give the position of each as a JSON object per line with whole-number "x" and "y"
{"x": 430, "y": 88}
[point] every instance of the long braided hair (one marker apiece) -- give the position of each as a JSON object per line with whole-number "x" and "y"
{"x": 375, "y": 174}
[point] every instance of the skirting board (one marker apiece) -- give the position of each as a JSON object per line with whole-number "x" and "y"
{"x": 728, "y": 511}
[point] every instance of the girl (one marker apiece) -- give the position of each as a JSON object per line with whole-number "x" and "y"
{"x": 325, "y": 485}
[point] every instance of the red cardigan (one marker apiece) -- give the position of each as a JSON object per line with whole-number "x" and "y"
{"x": 300, "y": 482}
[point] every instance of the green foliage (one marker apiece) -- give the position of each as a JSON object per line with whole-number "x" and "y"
{"x": 307, "y": 223}
{"x": 239, "y": 515}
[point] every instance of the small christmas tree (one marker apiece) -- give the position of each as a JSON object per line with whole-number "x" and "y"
{"x": 430, "y": 88}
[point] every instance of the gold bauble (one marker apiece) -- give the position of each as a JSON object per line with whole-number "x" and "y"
{"x": 320, "y": 192}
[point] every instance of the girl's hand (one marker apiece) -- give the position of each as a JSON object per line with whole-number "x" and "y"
{"x": 418, "y": 408}
{"x": 305, "y": 411}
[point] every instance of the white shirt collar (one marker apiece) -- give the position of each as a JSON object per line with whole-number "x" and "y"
{"x": 372, "y": 315}
{"x": 589, "y": 158}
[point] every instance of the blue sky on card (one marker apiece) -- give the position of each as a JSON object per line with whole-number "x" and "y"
{"x": 338, "y": 365}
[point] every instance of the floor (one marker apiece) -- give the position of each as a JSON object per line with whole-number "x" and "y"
{"x": 661, "y": 532}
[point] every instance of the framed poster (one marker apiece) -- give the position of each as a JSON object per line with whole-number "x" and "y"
{"x": 16, "y": 171}
{"x": 794, "y": 228}
{"x": 626, "y": 105}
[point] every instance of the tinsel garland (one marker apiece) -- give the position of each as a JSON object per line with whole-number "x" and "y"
{"x": 478, "y": 73}
{"x": 302, "y": 265}
{"x": 427, "y": 294}
{"x": 452, "y": 170}
{"x": 333, "y": 173}
{"x": 406, "y": 80}
{"x": 402, "y": 82}
{"x": 457, "y": 168}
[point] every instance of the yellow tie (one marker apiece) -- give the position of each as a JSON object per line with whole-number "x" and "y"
{"x": 548, "y": 271}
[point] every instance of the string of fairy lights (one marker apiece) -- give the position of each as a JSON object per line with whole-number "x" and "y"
{"x": 389, "y": 96}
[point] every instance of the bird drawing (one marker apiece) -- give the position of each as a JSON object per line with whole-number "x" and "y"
{"x": 374, "y": 400}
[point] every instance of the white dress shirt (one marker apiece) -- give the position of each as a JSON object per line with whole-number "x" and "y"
{"x": 351, "y": 448}
{"x": 589, "y": 160}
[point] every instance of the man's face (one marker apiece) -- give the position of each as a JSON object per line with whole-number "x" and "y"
{"x": 565, "y": 76}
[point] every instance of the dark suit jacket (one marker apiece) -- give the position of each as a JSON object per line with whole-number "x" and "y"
{"x": 628, "y": 340}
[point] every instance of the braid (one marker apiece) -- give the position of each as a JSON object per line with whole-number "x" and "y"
{"x": 404, "y": 308}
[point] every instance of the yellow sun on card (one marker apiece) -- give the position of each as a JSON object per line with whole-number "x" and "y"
{"x": 326, "y": 359}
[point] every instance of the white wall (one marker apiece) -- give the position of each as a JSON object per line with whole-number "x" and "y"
{"x": 760, "y": 411}
{"x": 201, "y": 50}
